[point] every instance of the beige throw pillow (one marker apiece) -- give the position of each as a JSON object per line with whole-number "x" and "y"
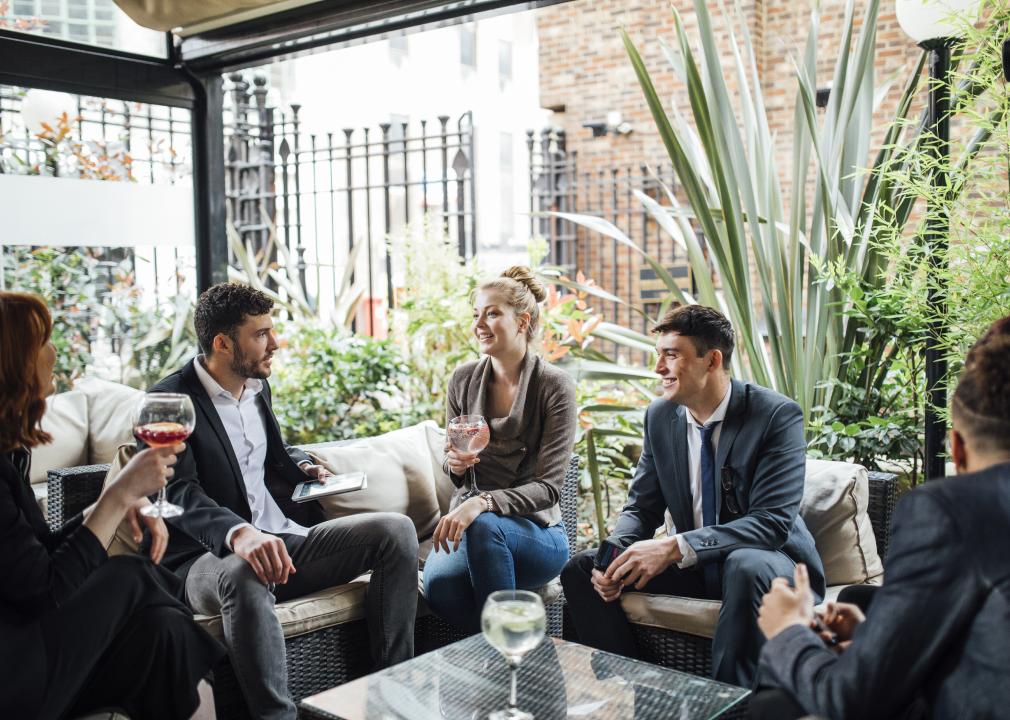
{"x": 835, "y": 500}
{"x": 404, "y": 470}
{"x": 110, "y": 416}
{"x": 66, "y": 419}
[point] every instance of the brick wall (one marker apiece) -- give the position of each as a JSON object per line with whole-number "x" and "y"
{"x": 585, "y": 73}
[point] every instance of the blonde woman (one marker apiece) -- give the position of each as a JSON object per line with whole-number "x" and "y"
{"x": 504, "y": 529}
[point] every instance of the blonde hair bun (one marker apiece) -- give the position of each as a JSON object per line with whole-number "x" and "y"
{"x": 522, "y": 274}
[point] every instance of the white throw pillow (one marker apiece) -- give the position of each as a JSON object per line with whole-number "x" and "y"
{"x": 404, "y": 475}
{"x": 110, "y": 416}
{"x": 835, "y": 499}
{"x": 66, "y": 419}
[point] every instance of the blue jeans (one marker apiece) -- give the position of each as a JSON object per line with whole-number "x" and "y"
{"x": 497, "y": 552}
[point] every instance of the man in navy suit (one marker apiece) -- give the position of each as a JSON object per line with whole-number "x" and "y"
{"x": 935, "y": 634}
{"x": 727, "y": 460}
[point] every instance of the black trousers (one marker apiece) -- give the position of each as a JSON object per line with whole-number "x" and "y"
{"x": 776, "y": 704}
{"x": 125, "y": 641}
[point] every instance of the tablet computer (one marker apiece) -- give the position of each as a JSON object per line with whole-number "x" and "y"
{"x": 345, "y": 482}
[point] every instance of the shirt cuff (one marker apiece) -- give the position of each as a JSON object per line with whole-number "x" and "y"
{"x": 690, "y": 557}
{"x": 228, "y": 536}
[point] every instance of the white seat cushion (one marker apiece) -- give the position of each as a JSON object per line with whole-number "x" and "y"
{"x": 686, "y": 615}
{"x": 331, "y": 606}
{"x": 338, "y": 605}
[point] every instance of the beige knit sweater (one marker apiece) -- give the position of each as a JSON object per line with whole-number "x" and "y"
{"x": 524, "y": 465}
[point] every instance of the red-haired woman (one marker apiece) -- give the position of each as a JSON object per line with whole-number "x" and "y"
{"x": 81, "y": 631}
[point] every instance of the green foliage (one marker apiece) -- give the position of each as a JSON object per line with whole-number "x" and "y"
{"x": 332, "y": 386}
{"x": 838, "y": 316}
{"x": 65, "y": 279}
{"x": 792, "y": 327}
{"x": 431, "y": 325}
{"x": 151, "y": 341}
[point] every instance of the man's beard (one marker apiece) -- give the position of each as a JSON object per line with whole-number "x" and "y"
{"x": 243, "y": 366}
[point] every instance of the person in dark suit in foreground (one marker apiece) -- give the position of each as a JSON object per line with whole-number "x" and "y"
{"x": 728, "y": 460}
{"x": 80, "y": 631}
{"x": 242, "y": 542}
{"x": 936, "y": 632}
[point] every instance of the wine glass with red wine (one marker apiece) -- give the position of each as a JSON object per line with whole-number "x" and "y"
{"x": 163, "y": 420}
{"x": 469, "y": 434}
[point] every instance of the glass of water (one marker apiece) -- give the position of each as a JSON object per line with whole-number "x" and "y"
{"x": 513, "y": 622}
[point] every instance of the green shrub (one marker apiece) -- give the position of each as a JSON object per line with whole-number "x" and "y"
{"x": 333, "y": 386}
{"x": 65, "y": 278}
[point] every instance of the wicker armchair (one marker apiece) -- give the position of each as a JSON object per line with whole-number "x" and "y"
{"x": 321, "y": 658}
{"x": 693, "y": 654}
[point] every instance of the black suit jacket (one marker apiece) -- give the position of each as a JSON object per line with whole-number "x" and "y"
{"x": 209, "y": 484}
{"x": 761, "y": 447}
{"x": 39, "y": 571}
{"x": 939, "y": 625}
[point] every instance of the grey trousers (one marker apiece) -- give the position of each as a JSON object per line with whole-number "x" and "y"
{"x": 334, "y": 552}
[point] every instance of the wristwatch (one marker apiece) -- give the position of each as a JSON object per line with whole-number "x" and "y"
{"x": 489, "y": 505}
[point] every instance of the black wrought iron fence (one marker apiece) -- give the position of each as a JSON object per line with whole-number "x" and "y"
{"x": 321, "y": 193}
{"x": 559, "y": 184}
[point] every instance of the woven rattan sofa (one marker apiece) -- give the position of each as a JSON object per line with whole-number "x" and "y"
{"x": 325, "y": 633}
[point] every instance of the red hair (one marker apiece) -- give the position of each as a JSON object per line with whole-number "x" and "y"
{"x": 25, "y": 327}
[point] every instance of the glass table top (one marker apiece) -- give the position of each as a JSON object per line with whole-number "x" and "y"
{"x": 469, "y": 679}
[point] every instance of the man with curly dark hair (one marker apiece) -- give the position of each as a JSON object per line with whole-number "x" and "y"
{"x": 935, "y": 634}
{"x": 241, "y": 542}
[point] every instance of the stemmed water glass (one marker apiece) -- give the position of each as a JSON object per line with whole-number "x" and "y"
{"x": 513, "y": 622}
{"x": 469, "y": 434}
{"x": 163, "y": 420}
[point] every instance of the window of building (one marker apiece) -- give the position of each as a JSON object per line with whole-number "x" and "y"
{"x": 468, "y": 46}
{"x": 507, "y": 211}
{"x": 504, "y": 61}
{"x": 398, "y": 48}
{"x": 84, "y": 21}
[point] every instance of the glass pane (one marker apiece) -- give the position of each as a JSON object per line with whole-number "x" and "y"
{"x": 467, "y": 46}
{"x": 50, "y": 17}
{"x": 505, "y": 60}
{"x": 78, "y": 32}
{"x": 111, "y": 276}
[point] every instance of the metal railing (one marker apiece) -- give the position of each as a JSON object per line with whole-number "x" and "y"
{"x": 330, "y": 190}
{"x": 559, "y": 184}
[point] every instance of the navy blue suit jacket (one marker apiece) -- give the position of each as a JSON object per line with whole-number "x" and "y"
{"x": 761, "y": 447}
{"x": 939, "y": 625}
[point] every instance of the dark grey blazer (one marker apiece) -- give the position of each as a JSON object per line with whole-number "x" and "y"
{"x": 939, "y": 625}
{"x": 761, "y": 448}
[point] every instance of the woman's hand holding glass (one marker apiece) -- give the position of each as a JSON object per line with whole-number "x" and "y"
{"x": 124, "y": 499}
{"x": 459, "y": 462}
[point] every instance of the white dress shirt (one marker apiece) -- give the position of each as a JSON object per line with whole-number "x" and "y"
{"x": 694, "y": 470}
{"x": 246, "y": 428}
